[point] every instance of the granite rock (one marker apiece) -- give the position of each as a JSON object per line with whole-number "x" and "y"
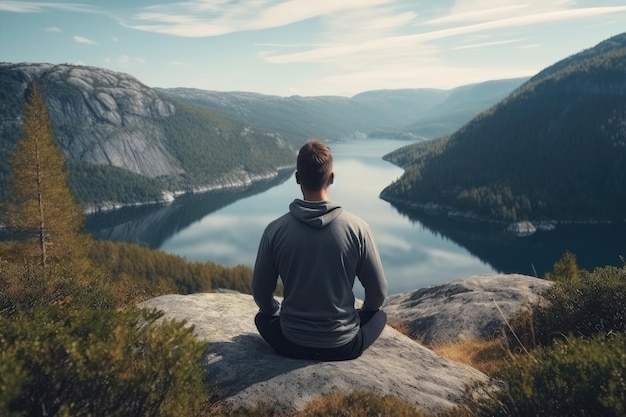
{"x": 471, "y": 307}
{"x": 248, "y": 372}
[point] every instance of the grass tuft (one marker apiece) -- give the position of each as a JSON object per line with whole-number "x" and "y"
{"x": 487, "y": 356}
{"x": 360, "y": 404}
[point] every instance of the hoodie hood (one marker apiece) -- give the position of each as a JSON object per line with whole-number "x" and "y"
{"x": 316, "y": 214}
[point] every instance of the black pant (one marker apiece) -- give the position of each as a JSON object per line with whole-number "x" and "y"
{"x": 372, "y": 325}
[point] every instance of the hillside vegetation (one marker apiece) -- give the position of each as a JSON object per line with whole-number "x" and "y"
{"x": 326, "y": 117}
{"x": 462, "y": 105}
{"x": 403, "y": 113}
{"x": 553, "y": 149}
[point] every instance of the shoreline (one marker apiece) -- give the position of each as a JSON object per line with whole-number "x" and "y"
{"x": 519, "y": 228}
{"x": 234, "y": 180}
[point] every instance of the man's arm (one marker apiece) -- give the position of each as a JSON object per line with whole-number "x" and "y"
{"x": 371, "y": 274}
{"x": 264, "y": 279}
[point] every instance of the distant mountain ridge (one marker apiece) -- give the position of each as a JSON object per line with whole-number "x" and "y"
{"x": 555, "y": 148}
{"x": 329, "y": 118}
{"x": 124, "y": 143}
{"x": 404, "y": 113}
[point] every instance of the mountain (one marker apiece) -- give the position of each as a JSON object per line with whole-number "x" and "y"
{"x": 463, "y": 103}
{"x": 329, "y": 118}
{"x": 381, "y": 113}
{"x": 125, "y": 143}
{"x": 555, "y": 148}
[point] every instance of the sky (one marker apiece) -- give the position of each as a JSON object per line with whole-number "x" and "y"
{"x": 308, "y": 47}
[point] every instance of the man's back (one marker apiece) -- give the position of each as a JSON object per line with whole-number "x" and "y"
{"x": 317, "y": 249}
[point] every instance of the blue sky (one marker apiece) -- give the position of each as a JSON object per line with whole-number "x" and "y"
{"x": 307, "y": 47}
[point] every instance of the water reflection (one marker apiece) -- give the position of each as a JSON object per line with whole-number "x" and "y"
{"x": 152, "y": 225}
{"x": 593, "y": 245}
{"x": 417, "y": 249}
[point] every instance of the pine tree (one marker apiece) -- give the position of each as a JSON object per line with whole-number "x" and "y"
{"x": 565, "y": 270}
{"x": 41, "y": 207}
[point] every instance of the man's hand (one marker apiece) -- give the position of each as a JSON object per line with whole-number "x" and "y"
{"x": 277, "y": 312}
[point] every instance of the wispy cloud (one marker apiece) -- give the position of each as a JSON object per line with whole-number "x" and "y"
{"x": 52, "y": 29}
{"x": 83, "y": 40}
{"x": 483, "y": 13}
{"x": 198, "y": 18}
{"x": 180, "y": 64}
{"x": 124, "y": 60}
{"x": 19, "y": 7}
{"x": 39, "y": 7}
{"x": 484, "y": 44}
{"x": 344, "y": 50}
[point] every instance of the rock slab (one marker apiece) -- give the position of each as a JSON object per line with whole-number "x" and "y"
{"x": 471, "y": 307}
{"x": 248, "y": 372}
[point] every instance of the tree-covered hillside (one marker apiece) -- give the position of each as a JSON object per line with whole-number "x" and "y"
{"x": 463, "y": 104}
{"x": 554, "y": 149}
{"x": 124, "y": 143}
{"x": 328, "y": 118}
{"x": 377, "y": 113}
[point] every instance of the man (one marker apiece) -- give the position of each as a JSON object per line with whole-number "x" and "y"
{"x": 317, "y": 249}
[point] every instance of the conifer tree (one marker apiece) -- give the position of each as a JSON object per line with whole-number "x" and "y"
{"x": 41, "y": 207}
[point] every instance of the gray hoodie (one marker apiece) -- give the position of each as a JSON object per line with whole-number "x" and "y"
{"x": 317, "y": 249}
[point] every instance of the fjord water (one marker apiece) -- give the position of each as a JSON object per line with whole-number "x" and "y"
{"x": 417, "y": 250}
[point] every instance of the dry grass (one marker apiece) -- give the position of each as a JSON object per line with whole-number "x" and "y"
{"x": 485, "y": 355}
{"x": 400, "y": 326}
{"x": 360, "y": 404}
{"x": 343, "y": 404}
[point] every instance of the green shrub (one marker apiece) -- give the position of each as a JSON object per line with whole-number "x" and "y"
{"x": 140, "y": 273}
{"x": 81, "y": 361}
{"x": 565, "y": 269}
{"x": 577, "y": 377}
{"x": 594, "y": 303}
{"x": 26, "y": 285}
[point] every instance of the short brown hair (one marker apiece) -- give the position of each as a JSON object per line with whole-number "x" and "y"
{"x": 315, "y": 165}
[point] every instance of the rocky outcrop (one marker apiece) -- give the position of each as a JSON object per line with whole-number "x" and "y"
{"x": 471, "y": 307}
{"x": 524, "y": 228}
{"x": 100, "y": 116}
{"x": 248, "y": 372}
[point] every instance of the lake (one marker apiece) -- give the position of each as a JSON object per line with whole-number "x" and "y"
{"x": 417, "y": 250}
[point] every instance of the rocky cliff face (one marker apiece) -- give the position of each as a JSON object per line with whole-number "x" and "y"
{"x": 99, "y": 116}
